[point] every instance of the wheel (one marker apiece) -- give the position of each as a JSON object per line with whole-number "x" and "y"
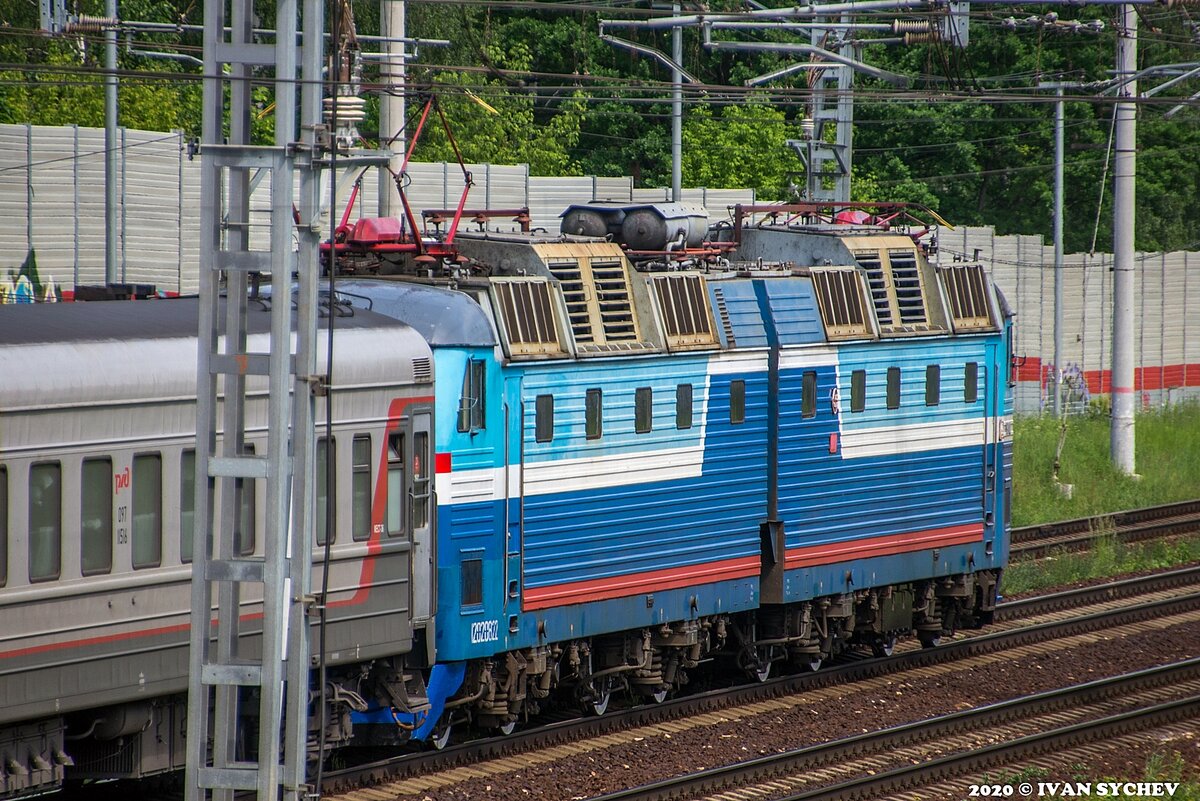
{"x": 814, "y": 663}
{"x": 441, "y": 735}
{"x": 884, "y": 646}
{"x": 658, "y": 696}
{"x": 764, "y": 671}
{"x": 929, "y": 639}
{"x": 600, "y": 705}
{"x": 507, "y": 728}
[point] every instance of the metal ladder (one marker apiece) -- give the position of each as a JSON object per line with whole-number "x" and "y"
{"x": 248, "y": 688}
{"x": 827, "y": 163}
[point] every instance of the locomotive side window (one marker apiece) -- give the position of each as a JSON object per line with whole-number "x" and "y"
{"x": 243, "y": 535}
{"x": 933, "y": 384}
{"x": 96, "y": 517}
{"x": 737, "y": 402}
{"x": 808, "y": 394}
{"x": 470, "y": 405}
{"x": 3, "y": 525}
{"x": 544, "y": 418}
{"x": 147, "y": 510}
{"x": 420, "y": 495}
{"x": 893, "y": 388}
{"x": 643, "y": 408}
{"x": 858, "y": 390}
{"x": 683, "y": 406}
{"x": 187, "y": 503}
{"x": 45, "y": 521}
{"x": 360, "y": 488}
{"x": 594, "y": 414}
{"x": 395, "y": 486}
{"x": 971, "y": 382}
{"x": 323, "y": 490}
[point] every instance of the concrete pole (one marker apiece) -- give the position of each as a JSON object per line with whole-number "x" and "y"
{"x": 110, "y": 146}
{"x": 1124, "y": 206}
{"x": 1058, "y": 252}
{"x": 676, "y": 110}
{"x": 392, "y": 106}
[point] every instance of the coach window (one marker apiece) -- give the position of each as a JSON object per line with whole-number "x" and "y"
{"x": 395, "y": 486}
{"x": 933, "y": 385}
{"x": 594, "y": 414}
{"x": 544, "y": 418}
{"x": 683, "y": 406}
{"x": 971, "y": 382}
{"x": 808, "y": 394}
{"x": 45, "y": 521}
{"x": 147, "y": 510}
{"x": 858, "y": 390}
{"x": 893, "y": 388}
{"x": 360, "y": 488}
{"x": 470, "y": 404}
{"x": 643, "y": 410}
{"x": 187, "y": 503}
{"x": 420, "y": 467}
{"x": 243, "y": 489}
{"x": 95, "y": 517}
{"x": 3, "y": 526}
{"x": 737, "y": 402}
{"x": 323, "y": 490}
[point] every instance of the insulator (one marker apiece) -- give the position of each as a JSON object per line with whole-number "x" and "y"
{"x": 86, "y": 23}
{"x": 922, "y": 38}
{"x": 910, "y": 26}
{"x": 350, "y": 108}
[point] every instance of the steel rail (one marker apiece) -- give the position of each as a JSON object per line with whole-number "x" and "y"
{"x": 1136, "y": 525}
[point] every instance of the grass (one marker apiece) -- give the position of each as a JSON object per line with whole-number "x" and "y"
{"x": 1166, "y": 455}
{"x": 1108, "y": 557}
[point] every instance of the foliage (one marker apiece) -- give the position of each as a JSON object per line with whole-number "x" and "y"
{"x": 726, "y": 150}
{"x": 1167, "y": 455}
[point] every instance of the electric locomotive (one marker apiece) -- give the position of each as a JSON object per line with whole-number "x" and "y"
{"x": 659, "y": 446}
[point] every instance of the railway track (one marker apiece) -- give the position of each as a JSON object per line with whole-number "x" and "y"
{"x": 1047, "y": 619}
{"x": 876, "y": 764}
{"x": 1154, "y": 522}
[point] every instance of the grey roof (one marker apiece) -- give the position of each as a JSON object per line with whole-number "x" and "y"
{"x": 445, "y": 317}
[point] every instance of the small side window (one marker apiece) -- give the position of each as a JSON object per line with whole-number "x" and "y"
{"x": 971, "y": 382}
{"x": 893, "y": 388}
{"x": 472, "y": 582}
{"x": 360, "y": 488}
{"x": 737, "y": 402}
{"x": 3, "y": 525}
{"x": 470, "y": 404}
{"x": 325, "y": 493}
{"x": 858, "y": 390}
{"x": 544, "y": 418}
{"x": 45, "y": 521}
{"x": 187, "y": 504}
{"x": 933, "y": 385}
{"x": 594, "y": 414}
{"x": 808, "y": 394}
{"x": 96, "y": 517}
{"x": 147, "y": 510}
{"x": 396, "y": 486}
{"x": 643, "y": 410}
{"x": 683, "y": 406}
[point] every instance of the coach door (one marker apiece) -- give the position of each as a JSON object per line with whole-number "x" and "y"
{"x": 411, "y": 504}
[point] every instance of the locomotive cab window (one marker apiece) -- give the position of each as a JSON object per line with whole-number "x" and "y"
{"x": 893, "y": 388}
{"x": 470, "y": 404}
{"x": 737, "y": 402}
{"x": 808, "y": 394}
{"x": 971, "y": 382}
{"x": 933, "y": 385}
{"x": 147, "y": 510}
{"x": 187, "y": 503}
{"x": 395, "y": 486}
{"x": 3, "y": 525}
{"x": 683, "y": 406}
{"x": 360, "y": 489}
{"x": 593, "y": 414}
{"x": 45, "y": 521}
{"x": 643, "y": 410}
{"x": 858, "y": 390}
{"x": 96, "y": 517}
{"x": 544, "y": 418}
